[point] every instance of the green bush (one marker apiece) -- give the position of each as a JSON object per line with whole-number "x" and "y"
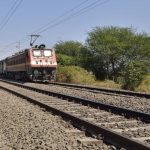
{"x": 132, "y": 75}
{"x": 65, "y": 60}
{"x": 144, "y": 85}
{"x": 74, "y": 74}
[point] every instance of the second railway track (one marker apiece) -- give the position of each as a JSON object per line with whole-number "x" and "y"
{"x": 102, "y": 90}
{"x": 121, "y": 127}
{"x": 130, "y": 102}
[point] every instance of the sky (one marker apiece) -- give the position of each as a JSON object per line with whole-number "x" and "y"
{"x": 66, "y": 20}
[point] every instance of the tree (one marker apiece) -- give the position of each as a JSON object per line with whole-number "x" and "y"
{"x": 65, "y": 60}
{"x": 92, "y": 63}
{"x": 110, "y": 53}
{"x": 113, "y": 48}
{"x": 68, "y": 52}
{"x": 109, "y": 44}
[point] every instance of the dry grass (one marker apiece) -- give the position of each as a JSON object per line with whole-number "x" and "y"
{"x": 74, "y": 74}
{"x": 107, "y": 84}
{"x": 78, "y": 75}
{"x": 145, "y": 85}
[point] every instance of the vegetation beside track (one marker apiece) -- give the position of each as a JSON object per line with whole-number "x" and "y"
{"x": 145, "y": 85}
{"x": 74, "y": 74}
{"x": 110, "y": 53}
{"x": 78, "y": 75}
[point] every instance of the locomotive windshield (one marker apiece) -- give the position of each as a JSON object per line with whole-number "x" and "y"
{"x": 37, "y": 53}
{"x": 47, "y": 53}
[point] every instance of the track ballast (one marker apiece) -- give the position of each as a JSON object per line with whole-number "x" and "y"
{"x": 95, "y": 121}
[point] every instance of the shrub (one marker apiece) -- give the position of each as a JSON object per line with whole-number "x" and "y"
{"x": 132, "y": 75}
{"x": 145, "y": 85}
{"x": 74, "y": 74}
{"x": 65, "y": 60}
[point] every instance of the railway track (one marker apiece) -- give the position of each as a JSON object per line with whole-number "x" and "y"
{"x": 107, "y": 91}
{"x": 118, "y": 100}
{"x": 121, "y": 127}
{"x": 25, "y": 126}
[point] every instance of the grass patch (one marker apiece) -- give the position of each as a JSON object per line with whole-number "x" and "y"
{"x": 78, "y": 75}
{"x": 74, "y": 74}
{"x": 107, "y": 84}
{"x": 145, "y": 85}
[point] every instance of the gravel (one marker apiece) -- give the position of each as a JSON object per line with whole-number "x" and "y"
{"x": 29, "y": 127}
{"x": 130, "y": 102}
{"x": 138, "y": 133}
{"x": 84, "y": 113}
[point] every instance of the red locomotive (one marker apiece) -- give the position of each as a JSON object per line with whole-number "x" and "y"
{"x": 36, "y": 64}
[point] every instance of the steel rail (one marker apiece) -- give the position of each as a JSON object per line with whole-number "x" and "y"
{"x": 107, "y": 90}
{"x": 117, "y": 110}
{"x": 92, "y": 129}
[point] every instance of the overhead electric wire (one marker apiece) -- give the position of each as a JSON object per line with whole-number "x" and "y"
{"x": 23, "y": 40}
{"x": 65, "y": 13}
{"x": 63, "y": 20}
{"x": 94, "y": 6}
{"x": 10, "y": 13}
{"x": 81, "y": 11}
{"x": 73, "y": 14}
{"x": 72, "y": 9}
{"x": 68, "y": 11}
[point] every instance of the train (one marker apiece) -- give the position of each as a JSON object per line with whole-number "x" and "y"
{"x": 35, "y": 64}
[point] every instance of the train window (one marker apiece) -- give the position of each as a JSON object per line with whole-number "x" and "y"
{"x": 47, "y": 53}
{"x": 37, "y": 53}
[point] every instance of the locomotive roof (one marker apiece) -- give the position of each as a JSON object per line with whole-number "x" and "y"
{"x": 17, "y": 53}
{"x": 23, "y": 51}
